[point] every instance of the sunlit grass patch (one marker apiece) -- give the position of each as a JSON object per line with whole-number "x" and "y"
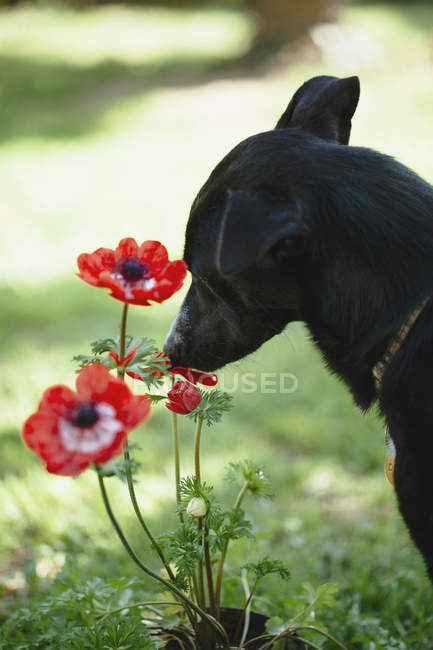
{"x": 129, "y": 35}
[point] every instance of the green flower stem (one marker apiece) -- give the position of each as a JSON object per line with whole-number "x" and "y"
{"x": 191, "y": 590}
{"x": 246, "y": 587}
{"x": 205, "y": 542}
{"x": 197, "y": 449}
{"x": 195, "y": 586}
{"x": 200, "y": 574}
{"x": 200, "y": 579}
{"x": 177, "y": 592}
{"x": 219, "y": 576}
{"x": 121, "y": 371}
{"x": 209, "y": 577}
{"x": 244, "y": 611}
{"x": 131, "y": 490}
{"x": 136, "y": 507}
{"x": 241, "y": 495}
{"x": 176, "y": 461}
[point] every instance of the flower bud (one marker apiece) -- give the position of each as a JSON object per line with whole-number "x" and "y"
{"x": 183, "y": 398}
{"x": 197, "y": 507}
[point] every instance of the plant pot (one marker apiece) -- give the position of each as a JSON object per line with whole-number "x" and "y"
{"x": 230, "y": 619}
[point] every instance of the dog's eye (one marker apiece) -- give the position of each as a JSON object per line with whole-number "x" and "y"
{"x": 282, "y": 251}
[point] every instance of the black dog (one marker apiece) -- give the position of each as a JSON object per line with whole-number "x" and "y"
{"x": 295, "y": 225}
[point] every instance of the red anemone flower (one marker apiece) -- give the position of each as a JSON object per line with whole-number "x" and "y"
{"x": 134, "y": 274}
{"x": 183, "y": 398}
{"x": 70, "y": 430}
{"x": 193, "y": 376}
{"x": 196, "y": 376}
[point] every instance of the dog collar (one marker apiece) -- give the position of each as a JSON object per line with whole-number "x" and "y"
{"x": 394, "y": 346}
{"x": 378, "y": 372}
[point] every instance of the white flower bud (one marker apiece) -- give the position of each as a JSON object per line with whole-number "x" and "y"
{"x": 196, "y": 507}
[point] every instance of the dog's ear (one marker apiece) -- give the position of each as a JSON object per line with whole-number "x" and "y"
{"x": 257, "y": 228}
{"x": 323, "y": 106}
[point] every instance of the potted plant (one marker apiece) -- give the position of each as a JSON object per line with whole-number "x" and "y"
{"x": 88, "y": 427}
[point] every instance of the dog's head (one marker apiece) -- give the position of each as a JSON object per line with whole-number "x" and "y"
{"x": 248, "y": 230}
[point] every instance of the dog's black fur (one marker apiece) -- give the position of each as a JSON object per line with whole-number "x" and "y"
{"x": 295, "y": 225}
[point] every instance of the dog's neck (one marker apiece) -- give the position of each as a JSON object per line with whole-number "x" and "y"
{"x": 354, "y": 359}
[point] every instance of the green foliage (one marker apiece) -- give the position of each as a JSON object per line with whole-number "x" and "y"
{"x": 266, "y": 566}
{"x": 145, "y": 362}
{"x": 79, "y": 617}
{"x": 233, "y": 526}
{"x": 212, "y": 407}
{"x": 190, "y": 488}
{"x": 246, "y": 471}
{"x": 305, "y": 607}
{"x": 182, "y": 548}
{"x": 120, "y": 466}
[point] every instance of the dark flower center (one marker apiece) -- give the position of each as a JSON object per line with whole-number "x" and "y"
{"x": 85, "y": 416}
{"x": 133, "y": 269}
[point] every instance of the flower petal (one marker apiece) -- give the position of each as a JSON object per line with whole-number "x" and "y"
{"x": 134, "y": 375}
{"x": 116, "y": 447}
{"x": 136, "y": 411}
{"x": 95, "y": 382}
{"x": 154, "y": 254}
{"x": 177, "y": 408}
{"x": 67, "y": 464}
{"x": 58, "y": 399}
{"x": 38, "y": 428}
{"x": 113, "y": 354}
{"x": 127, "y": 247}
{"x": 91, "y": 265}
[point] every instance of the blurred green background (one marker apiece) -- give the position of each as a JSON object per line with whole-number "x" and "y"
{"x": 111, "y": 118}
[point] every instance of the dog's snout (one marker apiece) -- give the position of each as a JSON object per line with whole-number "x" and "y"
{"x": 173, "y": 348}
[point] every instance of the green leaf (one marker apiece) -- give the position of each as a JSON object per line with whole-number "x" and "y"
{"x": 235, "y": 526}
{"x": 321, "y": 596}
{"x": 156, "y": 398}
{"x": 212, "y": 407}
{"x": 259, "y": 484}
{"x": 145, "y": 373}
{"x": 85, "y": 359}
{"x": 190, "y": 488}
{"x": 182, "y": 547}
{"x": 143, "y": 364}
{"x": 105, "y": 345}
{"x": 119, "y": 467}
{"x": 325, "y": 594}
{"x": 266, "y": 566}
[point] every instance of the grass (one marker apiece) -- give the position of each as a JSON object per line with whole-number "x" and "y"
{"x": 110, "y": 121}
